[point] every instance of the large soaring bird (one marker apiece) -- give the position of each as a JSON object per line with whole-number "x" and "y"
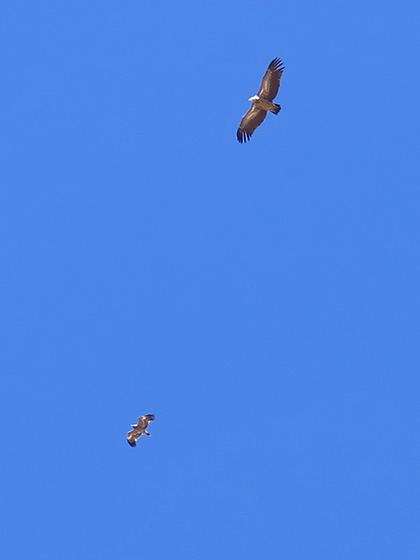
{"x": 139, "y": 429}
{"x": 262, "y": 102}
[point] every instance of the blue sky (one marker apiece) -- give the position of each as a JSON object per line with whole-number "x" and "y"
{"x": 262, "y": 299}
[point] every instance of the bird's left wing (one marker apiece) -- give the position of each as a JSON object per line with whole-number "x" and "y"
{"x": 271, "y": 81}
{"x": 144, "y": 421}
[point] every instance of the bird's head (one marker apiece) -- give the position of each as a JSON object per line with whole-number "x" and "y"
{"x": 254, "y": 98}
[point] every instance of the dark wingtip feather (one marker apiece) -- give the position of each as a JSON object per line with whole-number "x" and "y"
{"x": 243, "y": 136}
{"x": 276, "y": 64}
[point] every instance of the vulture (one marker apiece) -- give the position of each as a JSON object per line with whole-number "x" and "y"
{"x": 139, "y": 429}
{"x": 262, "y": 102}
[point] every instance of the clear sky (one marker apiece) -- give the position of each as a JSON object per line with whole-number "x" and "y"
{"x": 262, "y": 300}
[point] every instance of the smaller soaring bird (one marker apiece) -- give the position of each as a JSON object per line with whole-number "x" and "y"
{"x": 139, "y": 429}
{"x": 262, "y": 102}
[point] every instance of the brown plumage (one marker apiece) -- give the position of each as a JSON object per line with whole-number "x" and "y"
{"x": 262, "y": 102}
{"x": 139, "y": 429}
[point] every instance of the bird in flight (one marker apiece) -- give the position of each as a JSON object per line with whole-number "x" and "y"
{"x": 262, "y": 102}
{"x": 139, "y": 429}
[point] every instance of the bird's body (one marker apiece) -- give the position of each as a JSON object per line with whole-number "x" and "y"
{"x": 139, "y": 429}
{"x": 262, "y": 103}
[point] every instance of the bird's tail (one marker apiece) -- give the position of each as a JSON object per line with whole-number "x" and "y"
{"x": 276, "y": 108}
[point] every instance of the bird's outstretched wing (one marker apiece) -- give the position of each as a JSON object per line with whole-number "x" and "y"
{"x": 144, "y": 421}
{"x": 271, "y": 81}
{"x": 250, "y": 122}
{"x": 132, "y": 437}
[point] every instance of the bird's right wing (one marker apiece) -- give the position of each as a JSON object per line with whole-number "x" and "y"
{"x": 132, "y": 438}
{"x": 250, "y": 122}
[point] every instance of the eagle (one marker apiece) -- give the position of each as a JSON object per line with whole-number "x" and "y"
{"x": 139, "y": 429}
{"x": 263, "y": 101}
